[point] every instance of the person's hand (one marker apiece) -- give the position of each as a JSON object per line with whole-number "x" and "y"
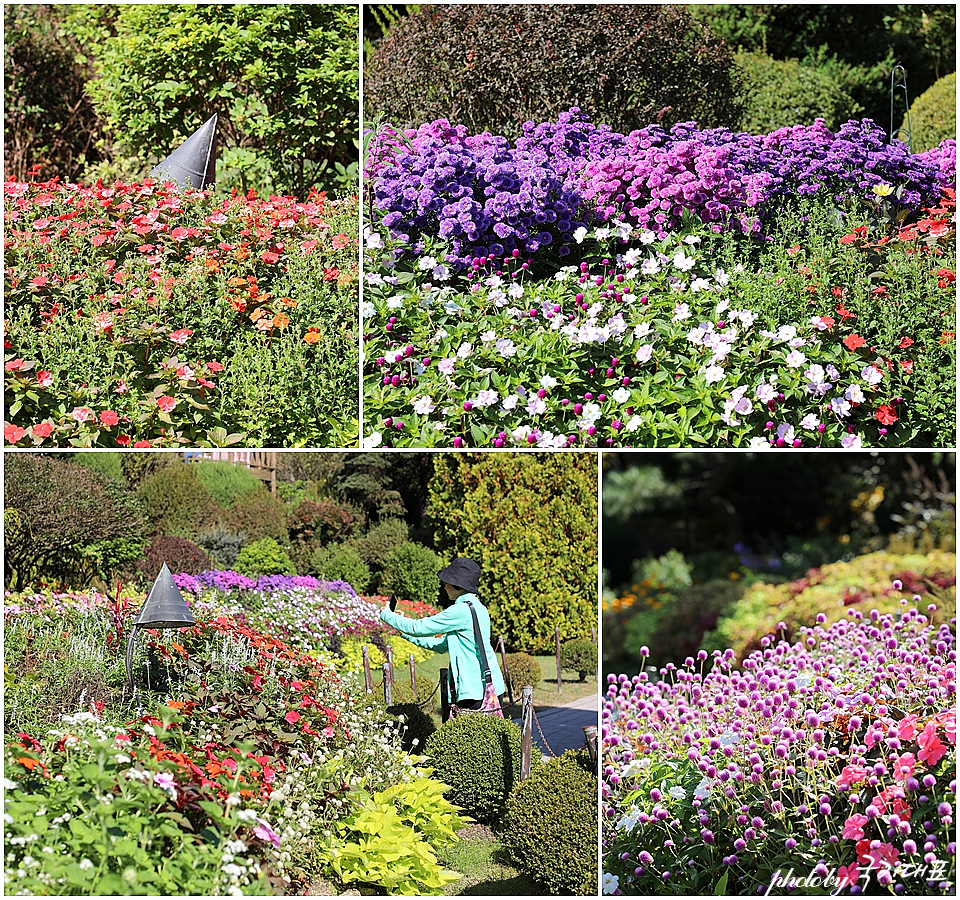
{"x": 393, "y": 603}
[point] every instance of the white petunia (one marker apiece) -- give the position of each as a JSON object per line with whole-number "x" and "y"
{"x": 621, "y": 395}
{"x": 423, "y": 406}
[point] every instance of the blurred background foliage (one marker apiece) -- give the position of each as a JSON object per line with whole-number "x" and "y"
{"x": 710, "y": 550}
{"x": 770, "y": 65}
{"x": 109, "y": 90}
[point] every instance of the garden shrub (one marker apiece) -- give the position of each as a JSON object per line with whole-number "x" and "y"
{"x": 376, "y": 545}
{"x": 321, "y": 520}
{"x": 783, "y": 93}
{"x": 781, "y": 609}
{"x": 341, "y": 562}
{"x": 530, "y": 523}
{"x": 107, "y": 463}
{"x": 417, "y": 724}
{"x": 70, "y": 522}
{"x": 178, "y": 553}
{"x": 410, "y": 571}
{"x": 222, "y": 545}
{"x": 627, "y": 65}
{"x": 478, "y": 758}
{"x": 264, "y": 557}
{"x": 283, "y": 80}
{"x": 177, "y": 503}
{"x": 225, "y": 482}
{"x": 933, "y": 115}
{"x": 258, "y": 514}
{"x": 550, "y": 826}
{"x": 522, "y": 669}
{"x": 580, "y": 655}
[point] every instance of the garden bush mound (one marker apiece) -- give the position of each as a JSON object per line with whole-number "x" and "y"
{"x": 264, "y": 557}
{"x": 628, "y": 65}
{"x": 180, "y": 555}
{"x": 781, "y": 609}
{"x": 478, "y": 758}
{"x": 522, "y": 669}
{"x": 550, "y": 826}
{"x": 933, "y": 115}
{"x": 410, "y": 571}
{"x": 580, "y": 655}
{"x": 417, "y": 725}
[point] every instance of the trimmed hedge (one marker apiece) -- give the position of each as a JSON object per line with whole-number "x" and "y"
{"x": 933, "y": 115}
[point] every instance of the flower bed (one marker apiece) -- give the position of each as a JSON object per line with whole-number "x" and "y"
{"x": 613, "y": 290}
{"x": 253, "y": 772}
{"x": 140, "y": 316}
{"x": 833, "y": 757}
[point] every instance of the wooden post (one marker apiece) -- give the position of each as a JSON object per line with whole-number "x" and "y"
{"x": 590, "y": 739}
{"x": 390, "y": 663}
{"x": 387, "y": 685}
{"x": 506, "y": 674}
{"x": 413, "y": 677}
{"x": 368, "y": 679}
{"x": 556, "y": 633}
{"x": 444, "y": 696}
{"x": 526, "y": 741}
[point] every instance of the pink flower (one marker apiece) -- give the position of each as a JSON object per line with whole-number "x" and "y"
{"x": 109, "y": 418}
{"x": 292, "y": 717}
{"x": 903, "y": 766}
{"x": 44, "y": 378}
{"x": 180, "y": 234}
{"x": 948, "y": 719}
{"x": 14, "y": 365}
{"x": 265, "y": 832}
{"x": 181, "y": 336}
{"x": 852, "y": 775}
{"x": 13, "y": 433}
{"x": 932, "y": 749}
{"x": 42, "y": 430}
{"x": 907, "y": 729}
{"x": 122, "y": 387}
{"x": 848, "y": 875}
{"x": 853, "y": 827}
{"x": 81, "y": 414}
{"x": 166, "y": 404}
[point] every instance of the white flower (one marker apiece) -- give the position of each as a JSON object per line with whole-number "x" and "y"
{"x": 766, "y": 392}
{"x": 486, "y": 398}
{"x": 677, "y": 792}
{"x": 548, "y": 382}
{"x": 682, "y": 262}
{"x": 759, "y": 443}
{"x": 795, "y": 359}
{"x": 840, "y": 407}
{"x": 423, "y": 406}
{"x": 509, "y": 402}
{"x": 629, "y": 821}
{"x": 373, "y": 240}
{"x": 488, "y": 336}
{"x": 786, "y": 332}
{"x": 702, "y": 790}
{"x": 872, "y": 375}
{"x": 644, "y": 353}
{"x": 465, "y": 350}
{"x": 446, "y": 366}
{"x": 647, "y": 237}
{"x": 367, "y": 310}
{"x": 506, "y": 347}
{"x": 699, "y": 284}
{"x": 642, "y": 329}
{"x": 722, "y": 306}
{"x": 691, "y": 239}
{"x": 621, "y": 395}
{"x": 536, "y": 406}
{"x": 391, "y": 356}
{"x": 721, "y": 277}
{"x": 745, "y": 316}
{"x": 632, "y": 256}
{"x": 499, "y": 298}
{"x": 786, "y": 432}
{"x": 580, "y": 234}
{"x": 680, "y": 312}
{"x": 611, "y": 883}
{"x": 650, "y": 267}
{"x": 852, "y": 441}
{"x": 854, "y": 394}
{"x": 373, "y": 278}
{"x": 426, "y": 262}
{"x": 516, "y": 291}
{"x": 633, "y": 423}
{"x": 372, "y": 441}
{"x": 440, "y": 273}
{"x": 810, "y": 422}
{"x": 85, "y": 863}
{"x": 712, "y": 374}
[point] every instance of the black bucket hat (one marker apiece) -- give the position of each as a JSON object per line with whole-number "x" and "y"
{"x": 462, "y": 573}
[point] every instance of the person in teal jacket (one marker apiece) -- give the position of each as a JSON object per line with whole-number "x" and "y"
{"x": 452, "y": 630}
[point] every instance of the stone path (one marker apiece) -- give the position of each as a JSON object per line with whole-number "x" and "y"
{"x": 563, "y": 725}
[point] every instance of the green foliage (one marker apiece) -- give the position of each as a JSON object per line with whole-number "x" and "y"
{"x": 107, "y": 463}
{"x": 259, "y": 514}
{"x": 178, "y": 553}
{"x": 417, "y": 724}
{"x": 341, "y": 562}
{"x": 222, "y": 545}
{"x": 624, "y": 65}
{"x": 478, "y": 758}
{"x": 783, "y": 93}
{"x": 70, "y": 524}
{"x": 282, "y": 78}
{"x": 580, "y": 655}
{"x": 933, "y": 115}
{"x": 176, "y": 501}
{"x": 530, "y": 521}
{"x": 225, "y": 482}
{"x": 522, "y": 669}
{"x": 47, "y": 119}
{"x": 264, "y": 557}
{"x": 550, "y": 826}
{"x": 376, "y": 545}
{"x": 864, "y": 583}
{"x": 389, "y": 840}
{"x": 410, "y": 572}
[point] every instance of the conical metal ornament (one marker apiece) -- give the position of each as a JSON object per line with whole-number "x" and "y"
{"x": 194, "y": 163}
{"x": 164, "y": 606}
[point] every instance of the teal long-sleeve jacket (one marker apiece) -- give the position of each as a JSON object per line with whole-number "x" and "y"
{"x": 452, "y": 630}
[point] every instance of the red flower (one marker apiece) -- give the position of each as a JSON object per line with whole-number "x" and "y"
{"x": 13, "y": 433}
{"x": 166, "y": 403}
{"x": 341, "y": 240}
{"x": 181, "y": 336}
{"x": 844, "y": 313}
{"x": 932, "y": 749}
{"x": 269, "y": 256}
{"x": 853, "y": 341}
{"x": 886, "y": 415}
{"x": 42, "y": 430}
{"x": 907, "y": 365}
{"x": 44, "y": 378}
{"x": 109, "y": 418}
{"x": 214, "y": 366}
{"x": 140, "y": 444}
{"x": 292, "y": 717}
{"x": 123, "y": 440}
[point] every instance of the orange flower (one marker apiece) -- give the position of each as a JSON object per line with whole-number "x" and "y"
{"x": 312, "y": 336}
{"x": 176, "y": 704}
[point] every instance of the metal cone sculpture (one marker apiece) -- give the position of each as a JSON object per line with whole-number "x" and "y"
{"x": 194, "y": 163}
{"x": 163, "y": 608}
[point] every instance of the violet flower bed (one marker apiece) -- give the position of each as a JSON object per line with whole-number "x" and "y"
{"x": 831, "y": 760}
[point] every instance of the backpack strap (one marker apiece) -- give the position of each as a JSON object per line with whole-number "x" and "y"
{"x": 484, "y": 665}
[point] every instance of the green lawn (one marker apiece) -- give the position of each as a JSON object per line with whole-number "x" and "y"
{"x": 485, "y": 867}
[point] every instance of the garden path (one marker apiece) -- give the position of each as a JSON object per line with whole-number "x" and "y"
{"x": 563, "y": 725}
